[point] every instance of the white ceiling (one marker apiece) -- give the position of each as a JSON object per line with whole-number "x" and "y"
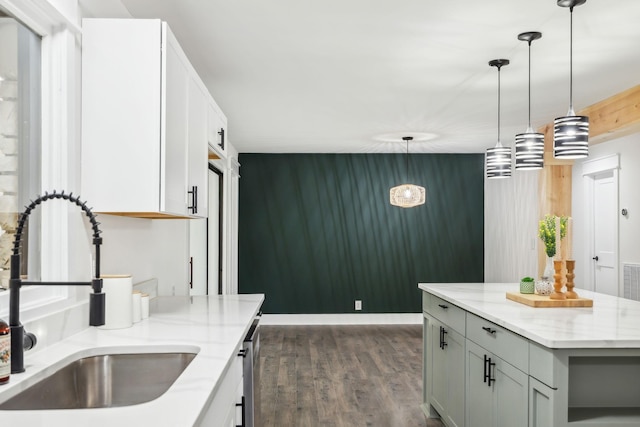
{"x": 332, "y": 75}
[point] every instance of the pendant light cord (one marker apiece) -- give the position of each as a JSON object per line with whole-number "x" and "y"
{"x": 571, "y": 61}
{"x": 499, "y": 103}
{"x": 407, "y": 160}
{"x": 529, "y": 84}
{"x": 407, "y": 139}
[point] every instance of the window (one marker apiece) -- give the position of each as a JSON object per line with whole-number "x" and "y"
{"x": 20, "y": 135}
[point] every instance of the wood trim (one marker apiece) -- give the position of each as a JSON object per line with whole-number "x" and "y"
{"x": 213, "y": 156}
{"x": 614, "y": 117}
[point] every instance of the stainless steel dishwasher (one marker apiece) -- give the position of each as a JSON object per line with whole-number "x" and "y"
{"x": 251, "y": 374}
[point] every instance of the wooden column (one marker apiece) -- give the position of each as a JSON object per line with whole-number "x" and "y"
{"x": 609, "y": 119}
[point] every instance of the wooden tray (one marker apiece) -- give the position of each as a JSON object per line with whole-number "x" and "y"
{"x": 537, "y": 301}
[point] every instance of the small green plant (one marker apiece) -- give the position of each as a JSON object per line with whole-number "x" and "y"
{"x": 527, "y": 279}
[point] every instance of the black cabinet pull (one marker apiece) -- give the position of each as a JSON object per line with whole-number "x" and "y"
{"x": 442, "y": 306}
{"x": 490, "y": 378}
{"x": 484, "y": 377}
{"x": 221, "y": 133}
{"x": 242, "y": 404}
{"x": 194, "y": 199}
{"x": 491, "y": 331}
{"x": 191, "y": 272}
{"x": 596, "y": 258}
{"x": 487, "y": 371}
{"x": 443, "y": 343}
{"x": 242, "y": 352}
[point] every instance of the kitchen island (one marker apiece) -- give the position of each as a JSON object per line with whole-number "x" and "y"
{"x": 492, "y": 361}
{"x": 213, "y": 327}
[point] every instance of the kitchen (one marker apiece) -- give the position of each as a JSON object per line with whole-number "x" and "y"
{"x": 510, "y": 208}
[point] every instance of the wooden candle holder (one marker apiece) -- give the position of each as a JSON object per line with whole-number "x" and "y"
{"x": 557, "y": 285}
{"x": 571, "y": 265}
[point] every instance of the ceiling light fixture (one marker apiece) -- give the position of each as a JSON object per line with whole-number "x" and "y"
{"x": 498, "y": 158}
{"x": 407, "y": 195}
{"x": 530, "y": 144}
{"x": 571, "y": 132}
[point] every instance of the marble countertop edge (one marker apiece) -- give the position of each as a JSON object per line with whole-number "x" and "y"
{"x": 611, "y": 323}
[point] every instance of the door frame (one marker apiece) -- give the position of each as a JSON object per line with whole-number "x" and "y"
{"x": 220, "y": 174}
{"x": 591, "y": 169}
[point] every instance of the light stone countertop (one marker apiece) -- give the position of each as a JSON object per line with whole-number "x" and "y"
{"x": 612, "y": 322}
{"x": 213, "y": 326}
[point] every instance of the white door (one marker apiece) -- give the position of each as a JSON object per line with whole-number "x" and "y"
{"x": 213, "y": 239}
{"x": 604, "y": 234}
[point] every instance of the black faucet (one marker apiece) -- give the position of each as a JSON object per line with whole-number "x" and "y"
{"x": 21, "y": 340}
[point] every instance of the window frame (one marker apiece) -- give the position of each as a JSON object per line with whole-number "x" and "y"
{"x": 60, "y": 111}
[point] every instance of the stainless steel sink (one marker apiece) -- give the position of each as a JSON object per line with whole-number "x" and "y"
{"x": 103, "y": 381}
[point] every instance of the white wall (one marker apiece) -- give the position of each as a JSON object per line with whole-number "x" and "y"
{"x": 628, "y": 148}
{"x": 510, "y": 227}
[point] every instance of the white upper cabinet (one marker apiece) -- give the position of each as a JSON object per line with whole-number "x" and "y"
{"x": 144, "y": 121}
{"x": 198, "y": 162}
{"x": 217, "y": 131}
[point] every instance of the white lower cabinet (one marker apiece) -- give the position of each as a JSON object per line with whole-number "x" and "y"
{"x": 447, "y": 366}
{"x": 223, "y": 410}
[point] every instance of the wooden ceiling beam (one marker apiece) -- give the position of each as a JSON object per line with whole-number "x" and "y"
{"x": 611, "y": 118}
{"x": 614, "y": 117}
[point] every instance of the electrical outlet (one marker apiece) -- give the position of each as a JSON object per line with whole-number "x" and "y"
{"x": 358, "y": 304}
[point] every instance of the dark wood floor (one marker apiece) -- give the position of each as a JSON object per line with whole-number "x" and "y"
{"x": 313, "y": 376}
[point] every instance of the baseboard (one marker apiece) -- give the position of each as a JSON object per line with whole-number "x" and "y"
{"x": 343, "y": 319}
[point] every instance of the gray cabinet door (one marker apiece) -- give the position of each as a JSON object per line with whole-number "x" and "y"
{"x": 479, "y": 409}
{"x": 455, "y": 353}
{"x": 511, "y": 395}
{"x": 446, "y": 351}
{"x": 497, "y": 392}
{"x": 541, "y": 404}
{"x": 438, "y": 369}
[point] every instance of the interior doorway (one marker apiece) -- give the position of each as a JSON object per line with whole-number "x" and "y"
{"x": 205, "y": 242}
{"x": 214, "y": 231}
{"x": 601, "y": 196}
{"x": 604, "y": 232}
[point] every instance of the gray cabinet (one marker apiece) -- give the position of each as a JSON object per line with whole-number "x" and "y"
{"x": 498, "y": 392}
{"x": 444, "y": 361}
{"x": 447, "y": 357}
{"x": 476, "y": 373}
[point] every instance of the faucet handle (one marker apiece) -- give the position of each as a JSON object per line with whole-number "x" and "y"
{"x": 29, "y": 340}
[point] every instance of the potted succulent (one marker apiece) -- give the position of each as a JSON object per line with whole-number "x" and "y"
{"x": 527, "y": 285}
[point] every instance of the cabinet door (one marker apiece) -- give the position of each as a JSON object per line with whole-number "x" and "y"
{"x": 197, "y": 187}
{"x": 497, "y": 392}
{"x": 455, "y": 353}
{"x": 426, "y": 361}
{"x": 121, "y": 104}
{"x": 438, "y": 369}
{"x": 217, "y": 134}
{"x": 173, "y": 147}
{"x": 447, "y": 372}
{"x": 541, "y": 404}
{"x": 479, "y": 408}
{"x": 511, "y": 401}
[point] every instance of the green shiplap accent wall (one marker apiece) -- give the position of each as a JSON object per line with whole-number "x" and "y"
{"x": 316, "y": 231}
